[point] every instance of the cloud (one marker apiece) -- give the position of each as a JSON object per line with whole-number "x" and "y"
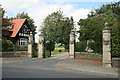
{"x": 39, "y": 9}
{"x": 62, "y": 1}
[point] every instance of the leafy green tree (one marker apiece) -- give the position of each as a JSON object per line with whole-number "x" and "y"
{"x": 2, "y": 12}
{"x": 7, "y": 45}
{"x": 49, "y": 46}
{"x": 113, "y": 18}
{"x": 56, "y": 28}
{"x": 5, "y": 21}
{"x": 80, "y": 46}
{"x": 91, "y": 28}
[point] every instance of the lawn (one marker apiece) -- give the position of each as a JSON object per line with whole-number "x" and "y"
{"x": 58, "y": 50}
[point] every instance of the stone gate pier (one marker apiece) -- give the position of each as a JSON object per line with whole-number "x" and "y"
{"x": 30, "y": 45}
{"x": 106, "y": 46}
{"x": 41, "y": 46}
{"x": 72, "y": 44}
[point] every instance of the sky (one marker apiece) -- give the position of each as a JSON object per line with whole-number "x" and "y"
{"x": 39, "y": 9}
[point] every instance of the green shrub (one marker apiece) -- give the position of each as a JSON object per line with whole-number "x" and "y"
{"x": 47, "y": 53}
{"x": 35, "y": 54}
{"x": 80, "y": 46}
{"x": 96, "y": 46}
{"x": 115, "y": 45}
{"x": 66, "y": 46}
{"x": 7, "y": 45}
{"x": 36, "y": 47}
{"x": 50, "y": 46}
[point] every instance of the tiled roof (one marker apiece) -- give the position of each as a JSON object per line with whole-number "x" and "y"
{"x": 17, "y": 24}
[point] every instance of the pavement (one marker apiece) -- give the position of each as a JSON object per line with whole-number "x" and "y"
{"x": 89, "y": 66}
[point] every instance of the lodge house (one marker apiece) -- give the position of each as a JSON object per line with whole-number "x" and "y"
{"x": 19, "y": 32}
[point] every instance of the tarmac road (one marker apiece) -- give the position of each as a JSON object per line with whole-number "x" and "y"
{"x": 41, "y": 68}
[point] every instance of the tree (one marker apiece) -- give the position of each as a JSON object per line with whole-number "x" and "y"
{"x": 7, "y": 45}
{"x": 5, "y": 21}
{"x": 2, "y": 12}
{"x": 56, "y": 28}
{"x": 91, "y": 28}
{"x": 80, "y": 46}
{"x": 49, "y": 46}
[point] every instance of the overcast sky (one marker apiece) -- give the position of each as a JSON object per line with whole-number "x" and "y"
{"x": 39, "y": 9}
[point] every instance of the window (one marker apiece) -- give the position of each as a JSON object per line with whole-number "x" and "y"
{"x": 22, "y": 41}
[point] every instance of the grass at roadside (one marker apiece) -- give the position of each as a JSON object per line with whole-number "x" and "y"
{"x": 58, "y": 50}
{"x": 55, "y": 52}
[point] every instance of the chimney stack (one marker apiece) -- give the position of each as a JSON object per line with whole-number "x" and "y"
{"x": 18, "y": 15}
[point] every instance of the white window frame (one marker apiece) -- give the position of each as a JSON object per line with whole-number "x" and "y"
{"x": 22, "y": 41}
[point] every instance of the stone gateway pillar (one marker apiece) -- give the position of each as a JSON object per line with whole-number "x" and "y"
{"x": 41, "y": 46}
{"x": 106, "y": 46}
{"x": 30, "y": 45}
{"x": 72, "y": 44}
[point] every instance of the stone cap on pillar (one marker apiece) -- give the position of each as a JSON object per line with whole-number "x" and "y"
{"x": 106, "y": 26}
{"x": 41, "y": 38}
{"x": 72, "y": 32}
{"x": 30, "y": 32}
{"x": 30, "y": 38}
{"x": 106, "y": 29}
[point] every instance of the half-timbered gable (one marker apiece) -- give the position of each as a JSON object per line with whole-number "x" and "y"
{"x": 20, "y": 33}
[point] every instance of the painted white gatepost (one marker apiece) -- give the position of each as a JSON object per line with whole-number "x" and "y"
{"x": 41, "y": 46}
{"x": 72, "y": 44}
{"x": 30, "y": 45}
{"x": 106, "y": 46}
